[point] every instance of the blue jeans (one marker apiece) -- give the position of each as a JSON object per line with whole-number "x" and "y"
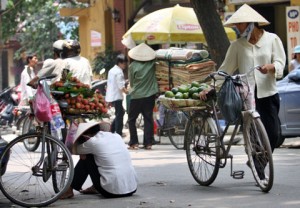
{"x": 117, "y": 124}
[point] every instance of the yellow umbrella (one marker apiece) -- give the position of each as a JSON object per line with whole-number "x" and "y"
{"x": 170, "y": 25}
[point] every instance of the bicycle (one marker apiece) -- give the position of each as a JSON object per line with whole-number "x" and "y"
{"x": 172, "y": 124}
{"x": 205, "y": 149}
{"x": 36, "y": 179}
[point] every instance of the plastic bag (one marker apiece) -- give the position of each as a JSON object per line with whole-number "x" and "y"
{"x": 57, "y": 123}
{"x": 41, "y": 106}
{"x": 70, "y": 139}
{"x": 229, "y": 101}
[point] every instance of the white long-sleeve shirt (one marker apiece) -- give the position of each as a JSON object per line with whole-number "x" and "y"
{"x": 26, "y": 91}
{"x": 243, "y": 55}
{"x": 115, "y": 84}
{"x": 113, "y": 160}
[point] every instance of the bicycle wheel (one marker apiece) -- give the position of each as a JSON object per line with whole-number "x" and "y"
{"x": 202, "y": 149}
{"x": 259, "y": 152}
{"x": 31, "y": 144}
{"x": 26, "y": 184}
{"x": 177, "y": 131}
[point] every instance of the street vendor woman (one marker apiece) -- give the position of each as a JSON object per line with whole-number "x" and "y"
{"x": 105, "y": 158}
{"x": 257, "y": 47}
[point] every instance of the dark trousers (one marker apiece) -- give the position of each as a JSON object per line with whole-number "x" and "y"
{"x": 88, "y": 167}
{"x": 145, "y": 107}
{"x": 117, "y": 124}
{"x": 268, "y": 108}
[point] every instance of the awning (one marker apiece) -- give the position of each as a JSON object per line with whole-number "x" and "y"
{"x": 256, "y": 1}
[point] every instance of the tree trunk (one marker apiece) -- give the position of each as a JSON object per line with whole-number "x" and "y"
{"x": 213, "y": 29}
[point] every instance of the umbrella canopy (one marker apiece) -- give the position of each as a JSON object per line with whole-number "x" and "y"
{"x": 170, "y": 25}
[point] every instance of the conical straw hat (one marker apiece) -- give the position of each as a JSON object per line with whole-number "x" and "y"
{"x": 246, "y": 14}
{"x": 142, "y": 52}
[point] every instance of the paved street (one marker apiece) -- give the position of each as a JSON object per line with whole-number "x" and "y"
{"x": 165, "y": 182}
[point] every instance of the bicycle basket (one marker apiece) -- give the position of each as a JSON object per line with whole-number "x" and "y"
{"x": 229, "y": 101}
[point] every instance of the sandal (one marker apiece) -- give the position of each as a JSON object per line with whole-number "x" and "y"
{"x": 133, "y": 147}
{"x": 90, "y": 190}
{"x": 148, "y": 147}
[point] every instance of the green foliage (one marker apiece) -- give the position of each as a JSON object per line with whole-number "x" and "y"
{"x": 105, "y": 59}
{"x": 36, "y": 25}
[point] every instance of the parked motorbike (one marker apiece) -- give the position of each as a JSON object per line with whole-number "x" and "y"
{"x": 9, "y": 99}
{"x": 100, "y": 85}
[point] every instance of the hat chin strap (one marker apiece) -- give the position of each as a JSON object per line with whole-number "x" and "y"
{"x": 247, "y": 33}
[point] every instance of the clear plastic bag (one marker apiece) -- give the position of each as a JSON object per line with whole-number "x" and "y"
{"x": 41, "y": 105}
{"x": 57, "y": 122}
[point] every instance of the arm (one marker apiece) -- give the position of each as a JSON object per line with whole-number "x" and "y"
{"x": 121, "y": 83}
{"x": 278, "y": 60}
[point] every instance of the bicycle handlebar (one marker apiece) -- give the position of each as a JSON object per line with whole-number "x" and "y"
{"x": 51, "y": 76}
{"x": 225, "y": 74}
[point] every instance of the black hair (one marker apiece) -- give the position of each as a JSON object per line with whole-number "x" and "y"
{"x": 29, "y": 57}
{"x": 257, "y": 25}
{"x": 121, "y": 58}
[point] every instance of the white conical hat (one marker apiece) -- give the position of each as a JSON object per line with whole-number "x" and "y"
{"x": 142, "y": 52}
{"x": 246, "y": 14}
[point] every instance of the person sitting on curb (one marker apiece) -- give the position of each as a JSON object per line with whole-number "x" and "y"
{"x": 105, "y": 158}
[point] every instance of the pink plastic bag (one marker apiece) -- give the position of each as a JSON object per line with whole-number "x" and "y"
{"x": 41, "y": 106}
{"x": 70, "y": 139}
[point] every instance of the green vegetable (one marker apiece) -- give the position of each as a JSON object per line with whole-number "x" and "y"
{"x": 179, "y": 95}
{"x": 169, "y": 94}
{"x": 185, "y": 95}
{"x": 174, "y": 90}
{"x": 195, "y": 84}
{"x": 196, "y": 96}
{"x": 193, "y": 90}
{"x": 183, "y": 88}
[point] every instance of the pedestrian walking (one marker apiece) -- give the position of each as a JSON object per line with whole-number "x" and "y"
{"x": 143, "y": 89}
{"x": 114, "y": 94}
{"x": 27, "y": 74}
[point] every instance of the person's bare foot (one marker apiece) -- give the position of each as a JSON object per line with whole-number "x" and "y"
{"x": 90, "y": 190}
{"x": 68, "y": 194}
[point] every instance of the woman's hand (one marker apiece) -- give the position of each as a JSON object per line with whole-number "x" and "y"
{"x": 203, "y": 93}
{"x": 33, "y": 83}
{"x": 267, "y": 68}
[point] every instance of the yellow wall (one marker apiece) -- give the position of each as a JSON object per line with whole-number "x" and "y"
{"x": 295, "y": 2}
{"x": 91, "y": 18}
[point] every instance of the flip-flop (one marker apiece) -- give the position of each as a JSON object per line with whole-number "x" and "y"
{"x": 90, "y": 190}
{"x": 133, "y": 147}
{"x": 148, "y": 147}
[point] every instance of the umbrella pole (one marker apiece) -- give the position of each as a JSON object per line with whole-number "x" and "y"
{"x": 171, "y": 85}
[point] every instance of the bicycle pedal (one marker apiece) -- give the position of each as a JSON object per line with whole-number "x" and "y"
{"x": 238, "y": 174}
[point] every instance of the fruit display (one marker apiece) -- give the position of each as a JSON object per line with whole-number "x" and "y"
{"x": 185, "y": 95}
{"x": 79, "y": 96}
{"x": 186, "y": 91}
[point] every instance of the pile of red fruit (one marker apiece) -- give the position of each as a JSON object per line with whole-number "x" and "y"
{"x": 80, "y": 98}
{"x": 83, "y": 104}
